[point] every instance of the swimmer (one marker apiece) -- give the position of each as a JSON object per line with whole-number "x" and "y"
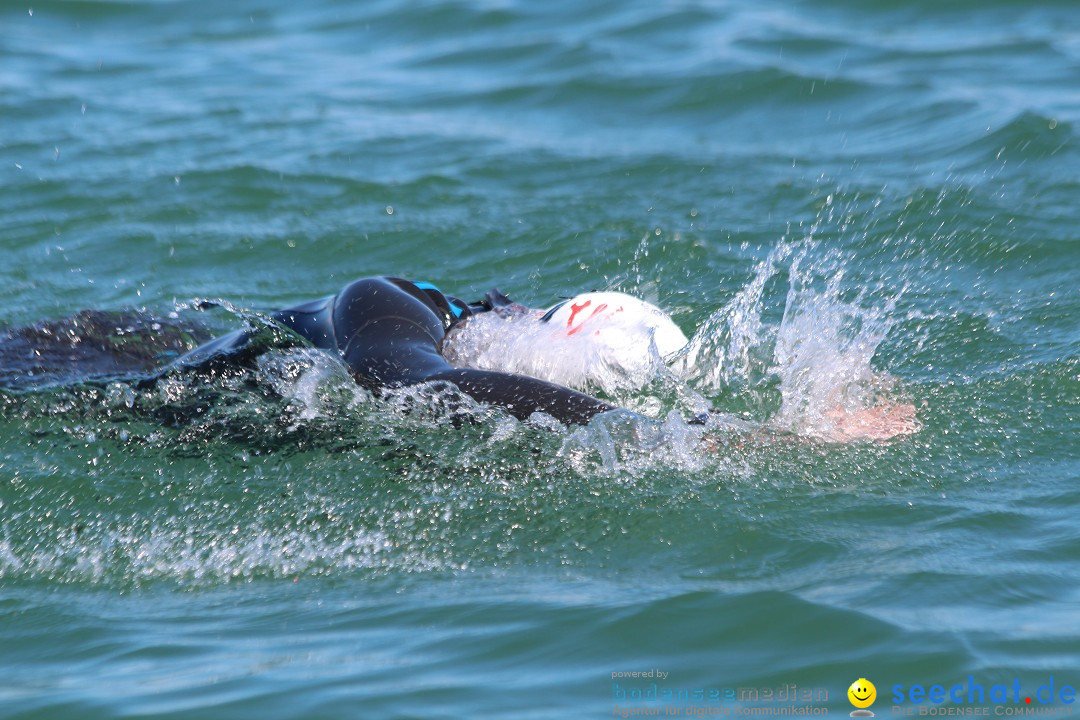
{"x": 393, "y": 333}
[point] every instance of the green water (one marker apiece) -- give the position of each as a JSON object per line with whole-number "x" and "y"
{"x": 817, "y": 191}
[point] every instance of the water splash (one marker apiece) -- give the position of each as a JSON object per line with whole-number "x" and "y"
{"x": 314, "y": 382}
{"x": 137, "y": 553}
{"x": 733, "y": 345}
{"x": 823, "y": 353}
{"x": 626, "y": 446}
{"x": 800, "y": 357}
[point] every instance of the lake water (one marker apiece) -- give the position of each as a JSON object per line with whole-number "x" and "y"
{"x": 820, "y": 192}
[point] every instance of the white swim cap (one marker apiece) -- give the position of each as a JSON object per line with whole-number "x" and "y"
{"x": 625, "y": 324}
{"x": 597, "y": 341}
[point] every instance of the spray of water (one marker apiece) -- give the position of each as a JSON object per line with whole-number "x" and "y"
{"x": 797, "y": 333}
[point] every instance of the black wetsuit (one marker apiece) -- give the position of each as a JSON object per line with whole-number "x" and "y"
{"x": 389, "y": 332}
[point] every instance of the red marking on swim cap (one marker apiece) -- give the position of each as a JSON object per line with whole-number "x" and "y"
{"x": 601, "y": 308}
{"x": 574, "y": 310}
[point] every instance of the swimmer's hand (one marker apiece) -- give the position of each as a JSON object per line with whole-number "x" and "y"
{"x": 880, "y": 422}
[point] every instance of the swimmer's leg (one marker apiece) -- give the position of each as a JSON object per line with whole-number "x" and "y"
{"x": 232, "y": 350}
{"x": 92, "y": 346}
{"x": 238, "y": 349}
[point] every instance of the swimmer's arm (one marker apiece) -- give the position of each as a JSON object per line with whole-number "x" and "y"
{"x": 877, "y": 423}
{"x": 522, "y": 396}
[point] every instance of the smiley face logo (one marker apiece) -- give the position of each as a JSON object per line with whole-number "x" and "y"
{"x": 862, "y": 694}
